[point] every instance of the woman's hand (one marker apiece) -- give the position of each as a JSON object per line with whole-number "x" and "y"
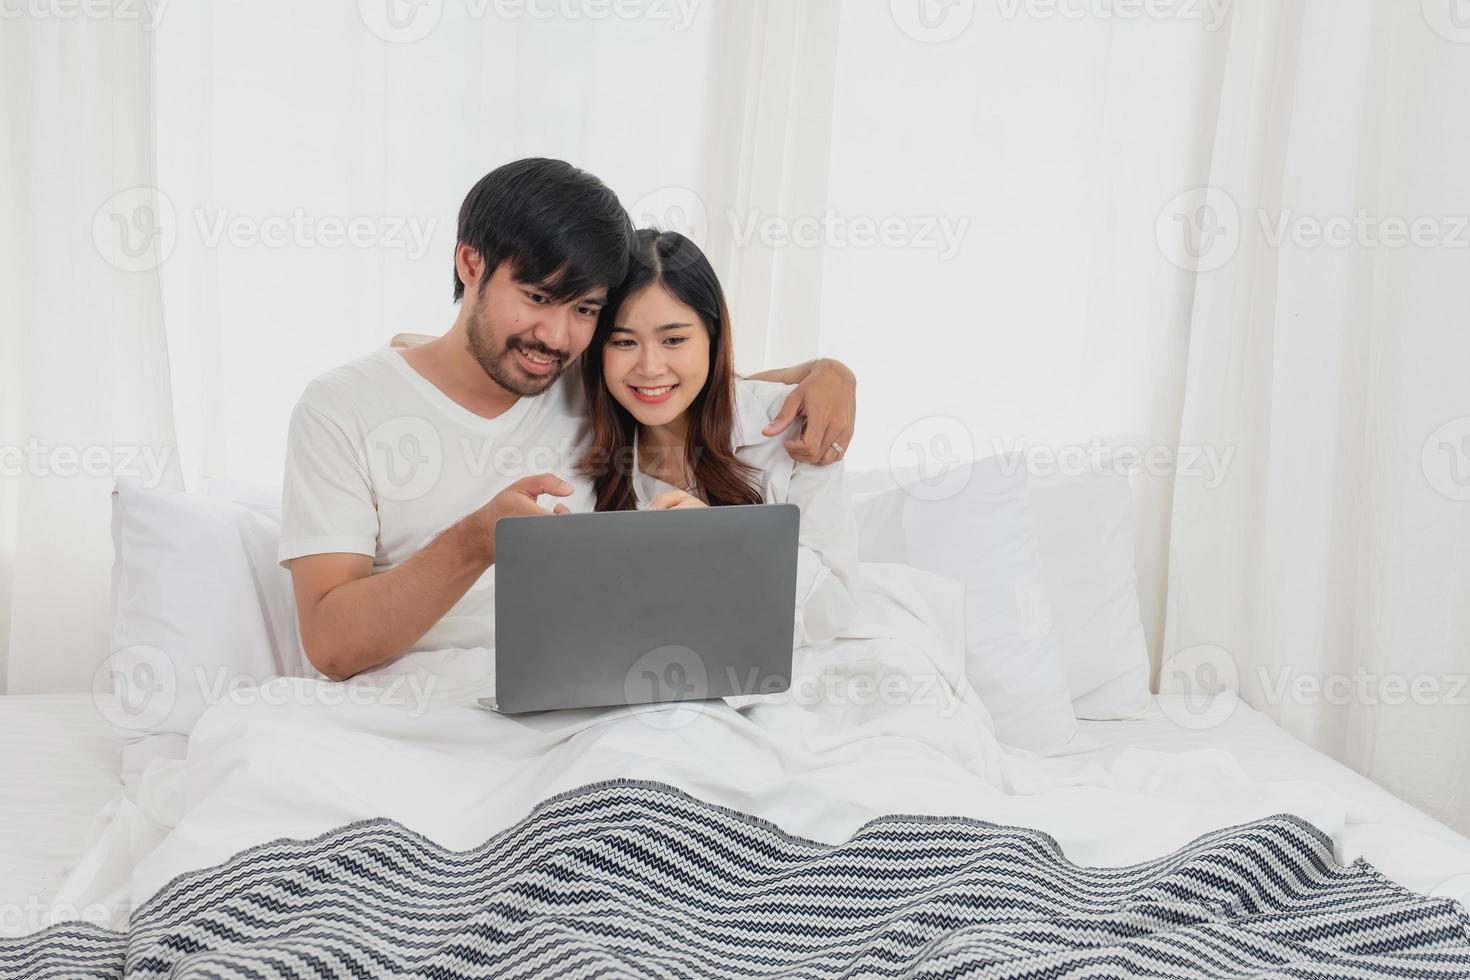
{"x": 675, "y": 500}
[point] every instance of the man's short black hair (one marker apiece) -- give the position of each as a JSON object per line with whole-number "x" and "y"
{"x": 557, "y": 225}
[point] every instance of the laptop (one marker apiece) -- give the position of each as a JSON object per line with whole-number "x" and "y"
{"x": 635, "y": 607}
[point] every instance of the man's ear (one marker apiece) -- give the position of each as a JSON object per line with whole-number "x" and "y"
{"x": 470, "y": 265}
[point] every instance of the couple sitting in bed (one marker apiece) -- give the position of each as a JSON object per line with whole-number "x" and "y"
{"x": 391, "y": 459}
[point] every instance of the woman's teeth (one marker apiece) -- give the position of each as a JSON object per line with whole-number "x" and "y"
{"x": 654, "y": 396}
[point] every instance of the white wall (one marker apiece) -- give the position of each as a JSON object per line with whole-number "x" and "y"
{"x": 1053, "y": 143}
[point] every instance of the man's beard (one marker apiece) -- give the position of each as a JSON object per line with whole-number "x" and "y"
{"x": 501, "y": 364}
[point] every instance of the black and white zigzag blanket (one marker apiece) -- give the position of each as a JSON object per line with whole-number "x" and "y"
{"x": 635, "y": 879}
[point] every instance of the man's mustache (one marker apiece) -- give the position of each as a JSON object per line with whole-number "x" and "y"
{"x": 535, "y": 347}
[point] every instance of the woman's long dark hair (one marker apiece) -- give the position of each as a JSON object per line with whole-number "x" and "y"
{"x": 676, "y": 264}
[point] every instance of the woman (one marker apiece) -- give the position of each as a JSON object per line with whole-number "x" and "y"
{"x": 673, "y": 427}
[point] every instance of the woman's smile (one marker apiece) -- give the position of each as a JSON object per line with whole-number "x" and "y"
{"x": 654, "y": 395}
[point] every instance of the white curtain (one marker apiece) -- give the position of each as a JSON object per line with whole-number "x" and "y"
{"x": 1021, "y": 299}
{"x": 1327, "y": 576}
{"x": 84, "y": 380}
{"x": 766, "y": 153}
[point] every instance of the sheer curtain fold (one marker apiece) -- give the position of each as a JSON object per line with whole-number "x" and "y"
{"x": 85, "y": 365}
{"x": 765, "y": 157}
{"x": 1323, "y": 577}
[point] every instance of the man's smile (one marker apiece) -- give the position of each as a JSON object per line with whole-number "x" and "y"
{"x": 536, "y": 363}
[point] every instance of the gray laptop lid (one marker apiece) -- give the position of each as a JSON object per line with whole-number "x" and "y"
{"x": 629, "y": 607}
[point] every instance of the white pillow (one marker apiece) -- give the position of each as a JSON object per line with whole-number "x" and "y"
{"x": 1084, "y": 524}
{"x": 199, "y": 607}
{"x": 979, "y": 529}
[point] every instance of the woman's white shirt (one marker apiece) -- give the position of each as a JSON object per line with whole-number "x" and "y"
{"x": 826, "y": 562}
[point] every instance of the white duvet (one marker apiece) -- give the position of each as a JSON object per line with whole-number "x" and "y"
{"x": 879, "y": 721}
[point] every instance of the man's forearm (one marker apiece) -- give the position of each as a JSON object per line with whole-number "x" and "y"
{"x": 368, "y": 621}
{"x": 793, "y": 375}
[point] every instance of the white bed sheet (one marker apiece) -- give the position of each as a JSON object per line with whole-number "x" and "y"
{"x": 1400, "y": 840}
{"x": 1264, "y": 750}
{"x": 59, "y": 769}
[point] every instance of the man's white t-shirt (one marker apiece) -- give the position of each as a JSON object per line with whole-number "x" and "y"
{"x": 379, "y": 461}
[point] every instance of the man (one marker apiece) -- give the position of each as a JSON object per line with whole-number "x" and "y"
{"x": 398, "y": 465}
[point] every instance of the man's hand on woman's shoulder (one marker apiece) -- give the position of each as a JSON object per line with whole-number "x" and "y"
{"x": 827, "y": 398}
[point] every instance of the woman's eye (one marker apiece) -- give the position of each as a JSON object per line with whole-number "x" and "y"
{"x": 674, "y": 341}
{"x": 622, "y": 344}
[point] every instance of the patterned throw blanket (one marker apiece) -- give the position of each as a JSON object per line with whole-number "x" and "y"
{"x": 633, "y": 879}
